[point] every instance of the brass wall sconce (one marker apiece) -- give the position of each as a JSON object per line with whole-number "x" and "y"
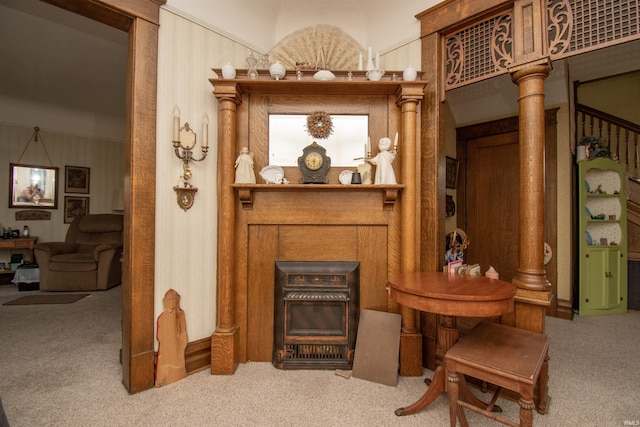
{"x": 184, "y": 140}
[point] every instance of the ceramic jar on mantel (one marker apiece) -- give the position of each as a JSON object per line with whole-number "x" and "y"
{"x": 277, "y": 70}
{"x": 409, "y": 74}
{"x": 228, "y": 71}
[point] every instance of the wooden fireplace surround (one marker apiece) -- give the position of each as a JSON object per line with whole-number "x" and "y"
{"x": 259, "y": 224}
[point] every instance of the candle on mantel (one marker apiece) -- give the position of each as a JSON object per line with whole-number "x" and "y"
{"x": 205, "y": 130}
{"x": 360, "y": 61}
{"x": 176, "y": 124}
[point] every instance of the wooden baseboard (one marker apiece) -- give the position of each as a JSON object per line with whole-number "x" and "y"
{"x": 198, "y": 355}
{"x": 564, "y": 310}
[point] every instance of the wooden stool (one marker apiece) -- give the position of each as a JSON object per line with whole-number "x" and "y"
{"x": 510, "y": 358}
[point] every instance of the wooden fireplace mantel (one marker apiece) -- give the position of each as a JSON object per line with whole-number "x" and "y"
{"x": 246, "y": 191}
{"x": 259, "y": 224}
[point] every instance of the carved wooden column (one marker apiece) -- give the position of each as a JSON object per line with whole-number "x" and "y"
{"x": 224, "y": 345}
{"x": 533, "y": 295}
{"x": 408, "y": 98}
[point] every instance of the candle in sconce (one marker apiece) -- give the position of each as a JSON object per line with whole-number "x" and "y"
{"x": 368, "y": 146}
{"x": 395, "y": 143}
{"x": 205, "y": 130}
{"x": 176, "y": 124}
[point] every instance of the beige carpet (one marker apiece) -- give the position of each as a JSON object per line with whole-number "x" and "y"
{"x": 46, "y": 299}
{"x": 59, "y": 366}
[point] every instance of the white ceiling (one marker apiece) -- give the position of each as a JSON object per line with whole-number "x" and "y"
{"x": 53, "y": 57}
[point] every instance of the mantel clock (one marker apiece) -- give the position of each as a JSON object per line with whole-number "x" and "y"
{"x": 314, "y": 164}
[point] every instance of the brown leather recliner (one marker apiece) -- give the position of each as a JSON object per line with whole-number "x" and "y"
{"x": 89, "y": 259}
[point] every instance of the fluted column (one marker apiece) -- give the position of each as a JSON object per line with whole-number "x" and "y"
{"x": 533, "y": 294}
{"x": 408, "y": 98}
{"x": 223, "y": 341}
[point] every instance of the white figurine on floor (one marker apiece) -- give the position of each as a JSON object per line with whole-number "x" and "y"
{"x": 384, "y": 163}
{"x": 244, "y": 168}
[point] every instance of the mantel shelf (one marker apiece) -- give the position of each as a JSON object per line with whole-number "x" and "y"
{"x": 246, "y": 191}
{"x": 358, "y": 85}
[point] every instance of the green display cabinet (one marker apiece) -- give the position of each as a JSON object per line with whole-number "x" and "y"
{"x": 603, "y": 237}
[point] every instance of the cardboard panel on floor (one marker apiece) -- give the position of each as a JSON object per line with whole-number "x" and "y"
{"x": 377, "y": 347}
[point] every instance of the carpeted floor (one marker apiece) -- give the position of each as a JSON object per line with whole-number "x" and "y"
{"x": 59, "y": 366}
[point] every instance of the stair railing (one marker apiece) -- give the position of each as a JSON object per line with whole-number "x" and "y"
{"x": 622, "y": 136}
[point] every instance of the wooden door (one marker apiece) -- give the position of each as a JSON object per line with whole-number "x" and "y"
{"x": 488, "y": 198}
{"x": 492, "y": 200}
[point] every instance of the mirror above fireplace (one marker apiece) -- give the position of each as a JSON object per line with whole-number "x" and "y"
{"x": 288, "y": 136}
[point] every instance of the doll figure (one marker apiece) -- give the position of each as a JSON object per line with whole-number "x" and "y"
{"x": 384, "y": 163}
{"x": 172, "y": 341}
{"x": 244, "y": 167}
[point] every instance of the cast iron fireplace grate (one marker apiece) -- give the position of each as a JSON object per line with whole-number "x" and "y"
{"x": 316, "y": 314}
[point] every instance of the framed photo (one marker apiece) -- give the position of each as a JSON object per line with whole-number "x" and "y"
{"x": 75, "y": 207}
{"x": 33, "y": 187}
{"x": 76, "y": 179}
{"x": 452, "y": 173}
{"x": 450, "y": 206}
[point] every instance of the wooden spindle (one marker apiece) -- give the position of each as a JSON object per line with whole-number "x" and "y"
{"x": 617, "y": 142}
{"x": 599, "y": 128}
{"x": 626, "y": 145}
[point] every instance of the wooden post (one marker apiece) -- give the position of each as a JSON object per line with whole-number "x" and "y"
{"x": 224, "y": 347}
{"x": 408, "y": 98}
{"x": 533, "y": 295}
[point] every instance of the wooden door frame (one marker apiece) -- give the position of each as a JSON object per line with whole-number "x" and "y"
{"x": 140, "y": 19}
{"x": 463, "y": 134}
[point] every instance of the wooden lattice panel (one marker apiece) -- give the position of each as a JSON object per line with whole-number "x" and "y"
{"x": 484, "y": 49}
{"x": 575, "y": 26}
{"x": 479, "y": 51}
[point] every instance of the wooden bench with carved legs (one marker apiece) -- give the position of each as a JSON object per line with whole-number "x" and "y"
{"x": 510, "y": 358}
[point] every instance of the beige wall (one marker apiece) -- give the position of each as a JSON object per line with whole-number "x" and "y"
{"x": 616, "y": 95}
{"x": 104, "y": 158}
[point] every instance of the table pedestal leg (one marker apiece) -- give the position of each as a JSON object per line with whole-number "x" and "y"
{"x": 447, "y": 337}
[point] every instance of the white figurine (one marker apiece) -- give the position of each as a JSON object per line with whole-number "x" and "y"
{"x": 244, "y": 167}
{"x": 384, "y": 163}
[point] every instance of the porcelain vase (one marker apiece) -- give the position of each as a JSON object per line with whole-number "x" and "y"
{"x": 277, "y": 70}
{"x": 228, "y": 71}
{"x": 409, "y": 74}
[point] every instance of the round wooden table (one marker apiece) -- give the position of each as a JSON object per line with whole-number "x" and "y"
{"x": 450, "y": 295}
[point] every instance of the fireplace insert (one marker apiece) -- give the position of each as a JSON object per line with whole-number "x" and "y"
{"x": 316, "y": 314}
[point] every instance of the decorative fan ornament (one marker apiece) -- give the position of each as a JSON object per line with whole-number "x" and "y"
{"x": 317, "y": 47}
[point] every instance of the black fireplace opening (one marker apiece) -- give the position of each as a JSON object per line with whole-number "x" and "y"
{"x": 316, "y": 314}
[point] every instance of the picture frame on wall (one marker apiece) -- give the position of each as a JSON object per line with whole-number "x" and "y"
{"x": 75, "y": 207}
{"x": 451, "y": 173}
{"x": 77, "y": 179}
{"x": 33, "y": 186}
